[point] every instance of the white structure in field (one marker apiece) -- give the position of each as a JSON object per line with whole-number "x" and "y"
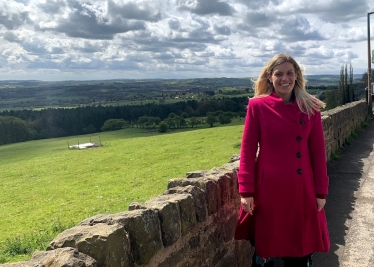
{"x": 84, "y": 146}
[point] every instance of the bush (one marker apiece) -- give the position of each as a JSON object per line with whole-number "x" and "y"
{"x": 113, "y": 124}
{"x": 162, "y": 127}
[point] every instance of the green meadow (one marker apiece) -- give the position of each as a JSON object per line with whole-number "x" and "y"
{"x": 46, "y": 187}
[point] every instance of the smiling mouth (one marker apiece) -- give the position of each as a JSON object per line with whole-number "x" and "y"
{"x": 284, "y": 84}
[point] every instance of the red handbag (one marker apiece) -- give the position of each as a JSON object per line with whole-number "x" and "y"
{"x": 245, "y": 227}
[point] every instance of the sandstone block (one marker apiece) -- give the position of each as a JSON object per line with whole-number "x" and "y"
{"x": 143, "y": 228}
{"x": 107, "y": 244}
{"x": 62, "y": 257}
{"x": 197, "y": 196}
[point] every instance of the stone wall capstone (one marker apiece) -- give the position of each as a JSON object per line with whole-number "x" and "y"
{"x": 191, "y": 224}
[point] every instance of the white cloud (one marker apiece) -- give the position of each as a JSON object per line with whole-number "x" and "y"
{"x": 93, "y": 39}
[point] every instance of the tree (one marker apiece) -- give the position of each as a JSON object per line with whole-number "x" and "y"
{"x": 321, "y": 95}
{"x": 194, "y": 121}
{"x": 211, "y": 119}
{"x": 13, "y": 130}
{"x": 341, "y": 93}
{"x": 205, "y": 107}
{"x": 332, "y": 99}
{"x": 345, "y": 89}
{"x": 351, "y": 88}
{"x": 58, "y": 122}
{"x": 189, "y": 110}
{"x": 228, "y": 105}
{"x": 180, "y": 121}
{"x": 156, "y": 121}
{"x": 152, "y": 122}
{"x": 346, "y": 86}
{"x": 162, "y": 127}
{"x": 113, "y": 124}
{"x": 89, "y": 129}
{"x": 225, "y": 118}
{"x": 172, "y": 120}
{"x": 184, "y": 115}
{"x": 345, "y": 92}
{"x": 142, "y": 121}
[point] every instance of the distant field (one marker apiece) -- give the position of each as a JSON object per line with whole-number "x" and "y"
{"x": 17, "y": 95}
{"x": 43, "y": 182}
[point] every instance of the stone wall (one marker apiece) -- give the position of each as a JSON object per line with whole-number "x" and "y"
{"x": 340, "y": 122}
{"x": 191, "y": 224}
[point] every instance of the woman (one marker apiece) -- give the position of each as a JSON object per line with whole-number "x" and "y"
{"x": 282, "y": 176}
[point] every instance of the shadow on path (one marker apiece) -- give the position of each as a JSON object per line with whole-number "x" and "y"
{"x": 346, "y": 175}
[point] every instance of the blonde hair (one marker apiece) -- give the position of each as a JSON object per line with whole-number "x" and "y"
{"x": 307, "y": 103}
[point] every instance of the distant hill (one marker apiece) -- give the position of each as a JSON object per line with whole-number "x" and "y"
{"x": 328, "y": 80}
{"x": 318, "y": 79}
{"x": 33, "y": 94}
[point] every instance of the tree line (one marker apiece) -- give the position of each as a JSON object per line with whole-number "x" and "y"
{"x": 345, "y": 92}
{"x": 24, "y": 125}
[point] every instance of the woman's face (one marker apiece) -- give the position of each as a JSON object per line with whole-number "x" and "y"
{"x": 283, "y": 79}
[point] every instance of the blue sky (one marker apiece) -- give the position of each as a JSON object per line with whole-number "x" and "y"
{"x": 112, "y": 39}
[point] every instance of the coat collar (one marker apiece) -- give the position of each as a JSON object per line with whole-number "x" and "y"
{"x": 276, "y": 99}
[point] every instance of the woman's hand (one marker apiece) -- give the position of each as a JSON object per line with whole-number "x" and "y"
{"x": 320, "y": 203}
{"x": 247, "y": 204}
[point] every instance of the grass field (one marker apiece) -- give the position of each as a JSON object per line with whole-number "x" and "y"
{"x": 44, "y": 184}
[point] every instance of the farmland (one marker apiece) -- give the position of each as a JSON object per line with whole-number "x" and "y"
{"x": 15, "y": 95}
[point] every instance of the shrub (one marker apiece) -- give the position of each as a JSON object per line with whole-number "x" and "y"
{"x": 113, "y": 124}
{"x": 162, "y": 127}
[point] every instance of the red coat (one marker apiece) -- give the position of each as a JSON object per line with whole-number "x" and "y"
{"x": 288, "y": 173}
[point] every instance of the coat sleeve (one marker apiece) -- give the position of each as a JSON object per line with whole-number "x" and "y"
{"x": 249, "y": 146}
{"x": 318, "y": 156}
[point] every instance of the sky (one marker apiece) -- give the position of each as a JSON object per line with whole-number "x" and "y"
{"x": 56, "y": 40}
